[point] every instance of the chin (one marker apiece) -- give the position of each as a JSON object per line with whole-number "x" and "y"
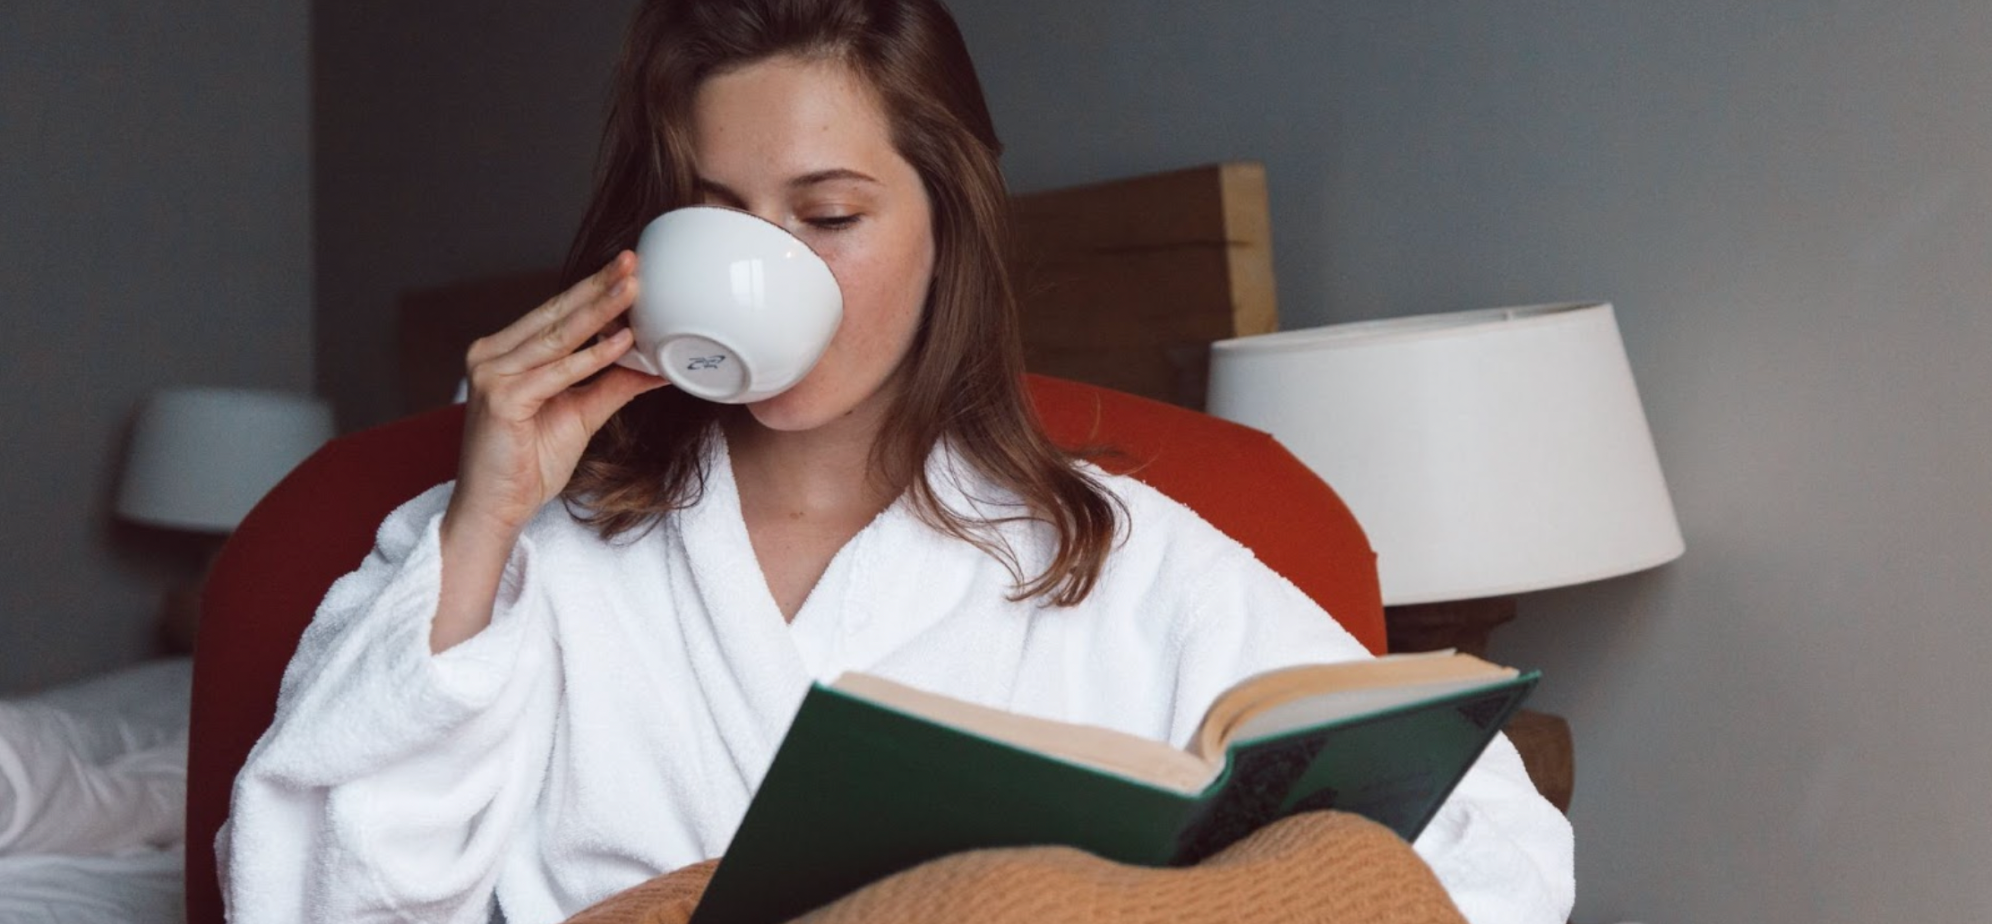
{"x": 815, "y": 403}
{"x": 779, "y": 413}
{"x": 804, "y": 407}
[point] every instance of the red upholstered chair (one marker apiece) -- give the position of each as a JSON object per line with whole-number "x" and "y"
{"x": 320, "y": 522}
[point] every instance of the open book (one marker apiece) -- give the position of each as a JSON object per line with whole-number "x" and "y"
{"x": 875, "y": 777}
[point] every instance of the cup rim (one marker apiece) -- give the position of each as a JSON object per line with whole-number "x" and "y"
{"x": 743, "y": 213}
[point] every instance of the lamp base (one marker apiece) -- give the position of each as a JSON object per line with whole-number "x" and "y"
{"x": 1459, "y": 624}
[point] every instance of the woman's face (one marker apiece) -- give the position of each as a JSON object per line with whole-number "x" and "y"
{"x": 806, "y": 144}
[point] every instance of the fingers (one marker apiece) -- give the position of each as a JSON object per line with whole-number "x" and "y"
{"x": 571, "y": 369}
{"x": 547, "y": 321}
{"x": 606, "y": 395}
{"x": 518, "y": 396}
{"x": 541, "y": 367}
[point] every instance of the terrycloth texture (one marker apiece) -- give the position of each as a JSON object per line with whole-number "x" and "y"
{"x": 616, "y": 717}
{"x": 1321, "y": 868}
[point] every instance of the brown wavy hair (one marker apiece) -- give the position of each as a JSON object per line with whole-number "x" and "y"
{"x": 963, "y": 380}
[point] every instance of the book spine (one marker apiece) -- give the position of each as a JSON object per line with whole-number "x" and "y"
{"x": 859, "y": 791}
{"x": 1248, "y": 796}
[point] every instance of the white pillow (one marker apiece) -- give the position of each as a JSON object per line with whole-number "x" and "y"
{"x": 99, "y": 766}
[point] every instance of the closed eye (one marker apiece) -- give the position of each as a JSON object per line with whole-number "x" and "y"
{"x": 833, "y": 223}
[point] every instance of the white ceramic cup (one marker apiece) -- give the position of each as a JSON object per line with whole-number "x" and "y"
{"x": 729, "y": 307}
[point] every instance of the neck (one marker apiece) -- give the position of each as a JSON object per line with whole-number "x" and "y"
{"x": 825, "y": 472}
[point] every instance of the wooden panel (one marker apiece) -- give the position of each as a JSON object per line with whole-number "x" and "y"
{"x": 437, "y": 326}
{"x": 1123, "y": 284}
{"x": 1126, "y": 283}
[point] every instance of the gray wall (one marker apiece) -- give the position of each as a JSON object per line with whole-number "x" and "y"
{"x": 154, "y": 231}
{"x": 1791, "y": 204}
{"x": 455, "y": 139}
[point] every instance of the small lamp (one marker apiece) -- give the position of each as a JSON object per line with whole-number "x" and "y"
{"x": 201, "y": 457}
{"x": 1486, "y": 453}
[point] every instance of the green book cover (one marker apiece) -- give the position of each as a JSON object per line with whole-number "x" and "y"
{"x": 860, "y": 790}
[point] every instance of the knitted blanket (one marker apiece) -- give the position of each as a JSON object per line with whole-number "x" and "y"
{"x": 1319, "y": 867}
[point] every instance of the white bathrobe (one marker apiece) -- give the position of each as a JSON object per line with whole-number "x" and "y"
{"x": 616, "y": 716}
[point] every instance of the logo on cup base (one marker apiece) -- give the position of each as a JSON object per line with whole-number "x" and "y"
{"x": 705, "y": 363}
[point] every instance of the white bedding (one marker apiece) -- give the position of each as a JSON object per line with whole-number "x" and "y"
{"x": 93, "y": 779}
{"x": 137, "y": 888}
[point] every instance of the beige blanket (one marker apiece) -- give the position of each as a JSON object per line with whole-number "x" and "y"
{"x": 1325, "y": 867}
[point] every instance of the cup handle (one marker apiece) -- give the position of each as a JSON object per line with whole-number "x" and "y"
{"x": 640, "y": 361}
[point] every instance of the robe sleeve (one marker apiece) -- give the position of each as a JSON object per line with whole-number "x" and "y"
{"x": 1502, "y": 851}
{"x": 392, "y": 780}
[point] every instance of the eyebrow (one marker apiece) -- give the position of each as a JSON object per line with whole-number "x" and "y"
{"x": 812, "y": 178}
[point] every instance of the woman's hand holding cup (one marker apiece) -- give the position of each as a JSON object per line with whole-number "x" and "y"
{"x": 529, "y": 419}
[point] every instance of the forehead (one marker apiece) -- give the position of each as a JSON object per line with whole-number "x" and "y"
{"x": 786, "y": 116}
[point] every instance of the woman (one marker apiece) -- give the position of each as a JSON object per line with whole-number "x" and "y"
{"x": 537, "y": 704}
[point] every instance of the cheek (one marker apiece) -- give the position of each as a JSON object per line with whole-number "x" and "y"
{"x": 885, "y": 289}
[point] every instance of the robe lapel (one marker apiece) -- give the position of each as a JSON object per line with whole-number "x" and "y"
{"x": 739, "y": 645}
{"x": 875, "y": 597}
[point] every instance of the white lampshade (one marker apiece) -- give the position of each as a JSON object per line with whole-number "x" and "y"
{"x": 201, "y": 457}
{"x": 1486, "y": 453}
